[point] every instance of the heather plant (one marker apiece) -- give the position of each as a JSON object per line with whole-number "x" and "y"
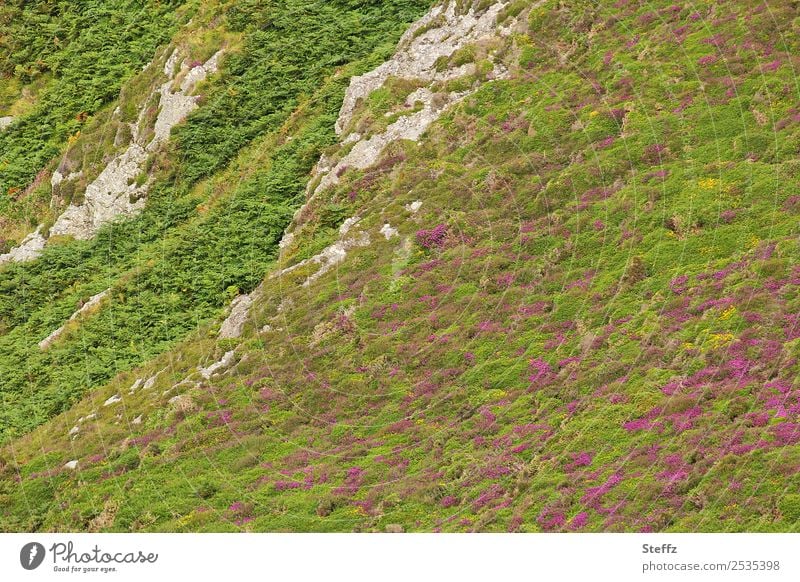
{"x": 588, "y": 325}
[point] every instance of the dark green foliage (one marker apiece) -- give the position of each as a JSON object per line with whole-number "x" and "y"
{"x": 289, "y": 48}
{"x": 83, "y": 52}
{"x": 173, "y": 268}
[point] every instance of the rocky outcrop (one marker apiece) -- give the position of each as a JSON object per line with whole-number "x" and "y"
{"x": 115, "y": 192}
{"x": 333, "y": 254}
{"x": 113, "y": 400}
{"x": 175, "y": 106}
{"x": 438, "y": 35}
{"x": 412, "y": 207}
{"x": 234, "y": 324}
{"x": 388, "y": 231}
{"x": 58, "y": 178}
{"x": 367, "y": 151}
{"x": 112, "y": 194}
{"x": 217, "y": 367}
{"x": 30, "y": 248}
{"x": 5, "y": 122}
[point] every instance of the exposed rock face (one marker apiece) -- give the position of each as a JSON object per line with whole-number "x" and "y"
{"x": 216, "y": 367}
{"x": 90, "y": 304}
{"x": 412, "y": 207}
{"x": 113, "y": 400}
{"x": 445, "y": 31}
{"x": 115, "y": 193}
{"x": 151, "y": 381}
{"x": 5, "y": 122}
{"x": 30, "y": 248}
{"x": 57, "y": 178}
{"x": 387, "y": 231}
{"x": 366, "y": 152}
{"x": 234, "y": 324}
{"x": 112, "y": 194}
{"x": 333, "y": 254}
{"x": 176, "y": 106}
{"x": 438, "y": 34}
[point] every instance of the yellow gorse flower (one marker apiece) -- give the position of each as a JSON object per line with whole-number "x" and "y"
{"x": 719, "y": 340}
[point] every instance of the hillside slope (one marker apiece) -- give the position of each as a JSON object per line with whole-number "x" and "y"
{"x": 538, "y": 271}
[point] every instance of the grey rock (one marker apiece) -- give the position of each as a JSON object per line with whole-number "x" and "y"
{"x": 234, "y": 324}
{"x": 225, "y": 362}
{"x": 29, "y": 249}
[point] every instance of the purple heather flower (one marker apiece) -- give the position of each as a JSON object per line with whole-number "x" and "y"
{"x": 433, "y": 237}
{"x": 579, "y": 520}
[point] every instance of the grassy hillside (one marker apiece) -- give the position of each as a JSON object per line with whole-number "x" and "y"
{"x": 590, "y": 323}
{"x": 197, "y": 244}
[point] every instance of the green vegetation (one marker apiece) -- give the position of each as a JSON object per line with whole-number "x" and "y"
{"x": 193, "y": 249}
{"x": 589, "y": 324}
{"x": 61, "y": 62}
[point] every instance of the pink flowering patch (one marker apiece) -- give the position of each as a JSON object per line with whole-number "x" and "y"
{"x": 448, "y": 501}
{"x": 505, "y": 280}
{"x": 541, "y": 372}
{"x": 579, "y": 521}
{"x": 432, "y": 238}
{"x": 490, "y": 495}
{"x": 583, "y": 459}
{"x": 656, "y": 420}
{"x": 607, "y": 142}
{"x": 352, "y": 482}
{"x": 786, "y": 433}
{"x": 551, "y": 519}
{"x": 594, "y": 495}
